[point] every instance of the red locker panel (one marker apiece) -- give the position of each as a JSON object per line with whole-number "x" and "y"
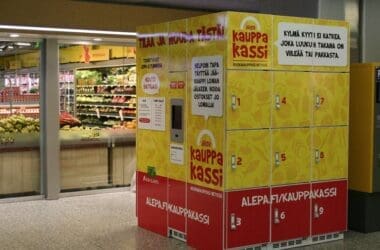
{"x": 290, "y": 212}
{"x": 176, "y": 199}
{"x": 247, "y": 217}
{"x": 204, "y": 218}
{"x": 152, "y": 203}
{"x": 329, "y": 207}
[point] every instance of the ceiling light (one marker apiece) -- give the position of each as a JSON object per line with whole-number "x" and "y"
{"x": 23, "y": 44}
{"x": 98, "y": 39}
{"x": 10, "y": 47}
{"x": 78, "y": 31}
{"x": 14, "y": 35}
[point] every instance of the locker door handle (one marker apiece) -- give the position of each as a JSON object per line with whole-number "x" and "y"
{"x": 233, "y": 221}
{"x": 316, "y": 211}
{"x": 277, "y": 159}
{"x": 317, "y": 101}
{"x": 277, "y": 102}
{"x": 233, "y": 161}
{"x": 233, "y": 102}
{"x": 276, "y": 216}
{"x": 317, "y": 156}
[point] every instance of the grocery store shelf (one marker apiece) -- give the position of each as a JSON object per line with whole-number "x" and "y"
{"x": 116, "y": 94}
{"x": 111, "y": 105}
{"x": 108, "y": 115}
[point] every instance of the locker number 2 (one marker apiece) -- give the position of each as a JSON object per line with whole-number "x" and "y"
{"x": 239, "y": 161}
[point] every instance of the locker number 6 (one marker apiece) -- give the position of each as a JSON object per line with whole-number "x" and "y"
{"x": 282, "y": 215}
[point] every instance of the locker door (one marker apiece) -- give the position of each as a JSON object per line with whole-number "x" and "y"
{"x": 330, "y": 160}
{"x": 330, "y": 98}
{"x": 248, "y": 159}
{"x": 247, "y": 217}
{"x": 329, "y": 207}
{"x": 291, "y": 99}
{"x": 291, "y": 153}
{"x": 248, "y": 99}
{"x": 290, "y": 212}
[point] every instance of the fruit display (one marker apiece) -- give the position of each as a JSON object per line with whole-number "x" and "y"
{"x": 19, "y": 124}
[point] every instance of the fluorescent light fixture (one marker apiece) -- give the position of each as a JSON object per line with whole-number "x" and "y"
{"x": 65, "y": 30}
{"x": 14, "y": 35}
{"x": 10, "y": 47}
{"x": 23, "y": 44}
{"x": 98, "y": 39}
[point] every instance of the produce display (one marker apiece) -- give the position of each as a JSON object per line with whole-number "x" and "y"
{"x": 66, "y": 119}
{"x": 19, "y": 124}
{"x": 106, "y": 96}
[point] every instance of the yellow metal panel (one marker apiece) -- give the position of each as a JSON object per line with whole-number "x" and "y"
{"x": 291, "y": 99}
{"x": 177, "y": 45}
{"x": 248, "y": 103}
{"x": 330, "y": 145}
{"x": 291, "y": 154}
{"x": 177, "y": 89}
{"x": 362, "y": 87}
{"x": 153, "y": 145}
{"x": 248, "y": 159}
{"x": 330, "y": 98}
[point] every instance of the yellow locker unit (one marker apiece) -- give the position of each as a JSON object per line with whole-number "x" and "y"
{"x": 243, "y": 124}
{"x": 364, "y": 147}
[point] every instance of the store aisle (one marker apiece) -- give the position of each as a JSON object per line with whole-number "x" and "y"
{"x": 102, "y": 221}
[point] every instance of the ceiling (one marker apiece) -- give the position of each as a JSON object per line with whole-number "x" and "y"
{"x": 206, "y": 5}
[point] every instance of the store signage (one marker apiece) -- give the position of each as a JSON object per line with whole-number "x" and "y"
{"x": 151, "y": 113}
{"x": 207, "y": 86}
{"x": 206, "y": 163}
{"x": 288, "y": 197}
{"x": 150, "y": 83}
{"x": 250, "y": 44}
{"x": 309, "y": 44}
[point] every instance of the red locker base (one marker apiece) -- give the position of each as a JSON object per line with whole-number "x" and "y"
{"x": 151, "y": 203}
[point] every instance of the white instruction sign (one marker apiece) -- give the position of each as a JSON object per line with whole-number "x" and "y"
{"x": 309, "y": 44}
{"x": 207, "y": 86}
{"x": 151, "y": 113}
{"x": 177, "y": 154}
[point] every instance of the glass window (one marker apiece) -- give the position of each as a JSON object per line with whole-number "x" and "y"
{"x": 19, "y": 118}
{"x": 97, "y": 116}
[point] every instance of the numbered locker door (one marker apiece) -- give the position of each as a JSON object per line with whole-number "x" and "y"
{"x": 292, "y": 99}
{"x": 248, "y": 99}
{"x": 248, "y": 159}
{"x": 330, "y": 98}
{"x": 247, "y": 217}
{"x": 290, "y": 212}
{"x": 329, "y": 207}
{"x": 330, "y": 160}
{"x": 291, "y": 154}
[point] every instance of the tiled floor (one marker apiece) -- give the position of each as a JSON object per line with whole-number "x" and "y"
{"x": 103, "y": 221}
